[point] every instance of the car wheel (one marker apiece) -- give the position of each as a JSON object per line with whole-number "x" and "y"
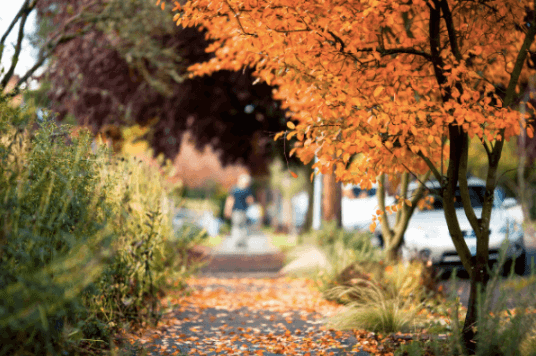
{"x": 519, "y": 268}
{"x": 520, "y": 264}
{"x": 377, "y": 240}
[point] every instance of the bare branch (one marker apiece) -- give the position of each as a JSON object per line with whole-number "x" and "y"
{"x": 50, "y": 45}
{"x": 25, "y": 10}
{"x": 43, "y": 55}
{"x": 12, "y": 24}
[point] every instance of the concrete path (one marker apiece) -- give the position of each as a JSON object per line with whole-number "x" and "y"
{"x": 240, "y": 305}
{"x": 248, "y": 316}
{"x": 257, "y": 256}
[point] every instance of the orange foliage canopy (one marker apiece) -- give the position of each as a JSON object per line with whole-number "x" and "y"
{"x": 377, "y": 77}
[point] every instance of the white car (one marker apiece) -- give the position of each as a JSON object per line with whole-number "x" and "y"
{"x": 357, "y": 210}
{"x": 427, "y": 235}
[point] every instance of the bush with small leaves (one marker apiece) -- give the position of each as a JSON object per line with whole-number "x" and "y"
{"x": 84, "y": 237}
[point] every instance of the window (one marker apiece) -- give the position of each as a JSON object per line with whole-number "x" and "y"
{"x": 476, "y": 195}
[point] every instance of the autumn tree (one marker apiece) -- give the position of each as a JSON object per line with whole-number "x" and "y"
{"x": 406, "y": 83}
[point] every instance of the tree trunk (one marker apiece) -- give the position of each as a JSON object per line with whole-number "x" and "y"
{"x": 522, "y": 152}
{"x": 331, "y": 199}
{"x": 308, "y": 224}
{"x": 394, "y": 238}
{"x": 391, "y": 254}
{"x": 287, "y": 215}
{"x": 262, "y": 198}
{"x": 479, "y": 280}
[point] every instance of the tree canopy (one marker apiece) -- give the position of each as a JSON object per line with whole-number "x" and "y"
{"x": 372, "y": 76}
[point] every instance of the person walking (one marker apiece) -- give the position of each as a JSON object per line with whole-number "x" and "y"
{"x": 236, "y": 206}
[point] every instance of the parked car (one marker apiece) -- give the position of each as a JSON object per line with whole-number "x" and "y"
{"x": 427, "y": 235}
{"x": 359, "y": 206}
{"x": 202, "y": 220}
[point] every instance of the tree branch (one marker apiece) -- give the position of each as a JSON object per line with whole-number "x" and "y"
{"x": 464, "y": 189}
{"x": 447, "y": 16}
{"x": 486, "y": 147}
{"x": 386, "y": 229}
{"x": 50, "y": 45}
{"x": 403, "y": 194}
{"x": 236, "y": 15}
{"x": 25, "y": 10}
{"x": 43, "y": 56}
{"x": 432, "y": 167}
{"x": 401, "y": 50}
{"x": 12, "y": 24}
{"x": 449, "y": 189}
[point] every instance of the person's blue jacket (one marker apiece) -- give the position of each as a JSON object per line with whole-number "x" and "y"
{"x": 240, "y": 196}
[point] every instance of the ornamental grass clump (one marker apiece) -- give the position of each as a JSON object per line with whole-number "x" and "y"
{"x": 374, "y": 309}
{"x": 380, "y": 298}
{"x": 342, "y": 248}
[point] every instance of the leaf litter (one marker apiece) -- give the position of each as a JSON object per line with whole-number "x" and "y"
{"x": 247, "y": 316}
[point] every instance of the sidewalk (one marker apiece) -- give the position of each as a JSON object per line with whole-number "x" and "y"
{"x": 239, "y": 306}
{"x": 241, "y": 316}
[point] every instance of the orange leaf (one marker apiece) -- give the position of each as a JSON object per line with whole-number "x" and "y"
{"x": 530, "y": 131}
{"x": 294, "y": 175}
{"x": 372, "y": 227}
{"x": 378, "y": 91}
{"x": 291, "y": 125}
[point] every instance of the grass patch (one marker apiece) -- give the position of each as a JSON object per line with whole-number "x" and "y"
{"x": 283, "y": 242}
{"x": 212, "y": 241}
{"x": 380, "y": 298}
{"x": 375, "y": 310}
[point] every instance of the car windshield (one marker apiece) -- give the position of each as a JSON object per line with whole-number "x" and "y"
{"x": 361, "y": 193}
{"x": 476, "y": 194}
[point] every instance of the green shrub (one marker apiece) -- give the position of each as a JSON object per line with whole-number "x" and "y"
{"x": 85, "y": 238}
{"x": 53, "y": 236}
